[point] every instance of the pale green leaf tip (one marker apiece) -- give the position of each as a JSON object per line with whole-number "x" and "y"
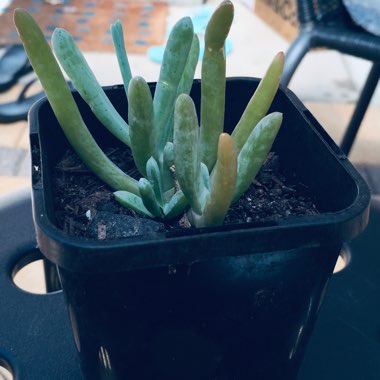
{"x": 116, "y": 24}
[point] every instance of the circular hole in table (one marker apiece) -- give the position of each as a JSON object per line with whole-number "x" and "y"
{"x": 5, "y": 370}
{"x": 34, "y": 274}
{"x": 343, "y": 259}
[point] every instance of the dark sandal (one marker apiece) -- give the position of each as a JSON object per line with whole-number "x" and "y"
{"x": 13, "y": 64}
{"x": 18, "y": 110}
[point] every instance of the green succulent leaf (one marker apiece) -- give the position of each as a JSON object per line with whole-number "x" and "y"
{"x": 169, "y": 154}
{"x": 255, "y": 151}
{"x": 223, "y": 182}
{"x": 64, "y": 107}
{"x": 154, "y": 176}
{"x": 173, "y": 65}
{"x": 140, "y": 118}
{"x": 187, "y": 164}
{"x": 205, "y": 177}
{"x": 260, "y": 102}
{"x": 176, "y": 205}
{"x": 187, "y": 78}
{"x": 213, "y": 84}
{"x": 84, "y": 80}
{"x": 121, "y": 54}
{"x": 148, "y": 197}
{"x": 132, "y": 201}
{"x": 219, "y": 26}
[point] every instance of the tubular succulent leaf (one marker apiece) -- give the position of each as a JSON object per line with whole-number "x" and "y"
{"x": 213, "y": 85}
{"x": 140, "y": 117}
{"x": 148, "y": 197}
{"x": 64, "y": 106}
{"x": 121, "y": 54}
{"x": 84, "y": 80}
{"x": 154, "y": 176}
{"x": 187, "y": 164}
{"x": 187, "y": 78}
{"x": 223, "y": 181}
{"x": 169, "y": 154}
{"x": 205, "y": 177}
{"x": 176, "y": 205}
{"x": 173, "y": 64}
{"x": 260, "y": 102}
{"x": 132, "y": 201}
{"x": 255, "y": 151}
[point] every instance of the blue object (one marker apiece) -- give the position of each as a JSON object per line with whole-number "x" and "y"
{"x": 13, "y": 64}
{"x": 201, "y": 17}
{"x": 156, "y": 53}
{"x": 200, "y": 20}
{"x": 18, "y": 109}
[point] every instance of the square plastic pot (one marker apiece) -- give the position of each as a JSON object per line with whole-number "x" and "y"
{"x": 235, "y": 302}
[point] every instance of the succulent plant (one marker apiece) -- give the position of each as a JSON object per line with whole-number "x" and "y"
{"x": 183, "y": 165}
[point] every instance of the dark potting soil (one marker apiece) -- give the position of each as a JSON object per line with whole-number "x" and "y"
{"x": 85, "y": 206}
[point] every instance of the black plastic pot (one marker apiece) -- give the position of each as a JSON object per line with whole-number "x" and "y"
{"x": 235, "y": 302}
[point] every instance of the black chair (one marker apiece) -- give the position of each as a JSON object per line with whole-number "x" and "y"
{"x": 326, "y": 23}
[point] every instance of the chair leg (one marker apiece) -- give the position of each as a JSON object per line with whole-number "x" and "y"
{"x": 361, "y": 107}
{"x": 297, "y": 50}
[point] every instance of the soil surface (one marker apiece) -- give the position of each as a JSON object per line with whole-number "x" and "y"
{"x": 85, "y": 206}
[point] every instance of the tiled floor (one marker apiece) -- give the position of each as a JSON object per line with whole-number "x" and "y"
{"x": 326, "y": 81}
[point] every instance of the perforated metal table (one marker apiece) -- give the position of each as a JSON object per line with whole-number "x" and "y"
{"x": 35, "y": 336}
